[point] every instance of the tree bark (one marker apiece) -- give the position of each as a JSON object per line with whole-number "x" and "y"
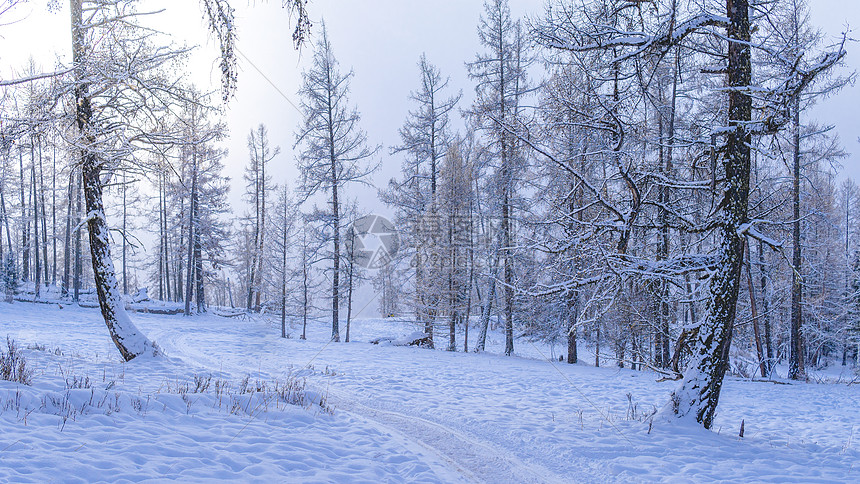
{"x": 124, "y": 242}
{"x": 699, "y": 392}
{"x": 192, "y": 216}
{"x": 284, "y": 271}
{"x": 44, "y": 219}
{"x": 128, "y": 340}
{"x": 488, "y": 306}
{"x": 78, "y": 270}
{"x": 765, "y": 308}
{"x": 54, "y": 216}
{"x": 35, "y": 203}
{"x": 754, "y": 314}
{"x": 796, "y": 370}
{"x": 25, "y": 233}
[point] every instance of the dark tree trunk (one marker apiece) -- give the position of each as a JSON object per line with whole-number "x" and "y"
{"x": 796, "y": 370}
{"x": 44, "y": 220}
{"x": 54, "y": 237}
{"x": 179, "y": 256}
{"x": 25, "y": 233}
{"x": 754, "y": 313}
{"x": 165, "y": 237}
{"x": 488, "y": 306}
{"x": 200, "y": 289}
{"x": 349, "y": 297}
{"x": 284, "y": 248}
{"x": 124, "y": 241}
{"x": 192, "y": 231}
{"x": 305, "y": 295}
{"x": 699, "y": 392}
{"x": 508, "y": 269}
{"x": 125, "y": 336}
{"x": 161, "y": 258}
{"x": 78, "y": 270}
{"x": 572, "y": 316}
{"x": 5, "y": 216}
{"x": 35, "y": 202}
{"x": 262, "y": 230}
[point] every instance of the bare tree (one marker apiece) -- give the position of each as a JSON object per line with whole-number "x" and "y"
{"x": 501, "y": 79}
{"x": 257, "y": 189}
{"x": 567, "y": 29}
{"x": 334, "y": 150}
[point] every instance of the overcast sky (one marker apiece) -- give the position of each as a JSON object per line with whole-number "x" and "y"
{"x": 381, "y": 40}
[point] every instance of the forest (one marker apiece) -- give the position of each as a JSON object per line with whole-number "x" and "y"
{"x": 638, "y": 181}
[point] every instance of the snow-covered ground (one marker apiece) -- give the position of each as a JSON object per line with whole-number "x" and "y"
{"x": 400, "y": 414}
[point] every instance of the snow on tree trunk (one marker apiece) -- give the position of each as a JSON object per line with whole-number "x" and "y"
{"x": 128, "y": 339}
{"x": 699, "y": 392}
{"x": 796, "y": 369}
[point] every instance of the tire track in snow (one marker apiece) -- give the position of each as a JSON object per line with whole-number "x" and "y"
{"x": 477, "y": 460}
{"x": 178, "y": 345}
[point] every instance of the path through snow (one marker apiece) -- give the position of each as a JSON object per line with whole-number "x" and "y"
{"x": 453, "y": 416}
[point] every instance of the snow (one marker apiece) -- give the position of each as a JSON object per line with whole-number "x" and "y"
{"x": 401, "y": 414}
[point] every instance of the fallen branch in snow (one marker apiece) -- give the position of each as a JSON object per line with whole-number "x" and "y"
{"x": 417, "y": 338}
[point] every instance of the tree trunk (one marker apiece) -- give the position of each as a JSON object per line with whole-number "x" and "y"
{"x": 166, "y": 237}
{"x": 128, "y": 340}
{"x": 305, "y": 282}
{"x": 35, "y": 203}
{"x": 262, "y": 231}
{"x": 349, "y": 296}
{"x": 468, "y": 316}
{"x": 54, "y": 217}
{"x": 124, "y": 242}
{"x": 699, "y": 392}
{"x": 335, "y": 284}
{"x": 161, "y": 258}
{"x": 488, "y": 306}
{"x": 754, "y": 313}
{"x": 305, "y": 289}
{"x": 284, "y": 272}
{"x": 5, "y": 216}
{"x": 44, "y": 220}
{"x": 25, "y": 233}
{"x": 200, "y": 289}
{"x": 796, "y": 370}
{"x": 508, "y": 269}
{"x": 663, "y": 338}
{"x": 572, "y": 316}
{"x": 79, "y": 269}
{"x": 192, "y": 230}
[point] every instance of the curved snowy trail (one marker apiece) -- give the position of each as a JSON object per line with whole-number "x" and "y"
{"x": 510, "y": 419}
{"x": 479, "y": 461}
{"x": 401, "y": 414}
{"x": 476, "y": 460}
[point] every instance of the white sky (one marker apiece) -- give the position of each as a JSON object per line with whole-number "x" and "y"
{"x": 380, "y": 40}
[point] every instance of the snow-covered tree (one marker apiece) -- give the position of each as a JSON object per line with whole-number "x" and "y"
{"x": 425, "y": 138}
{"x": 334, "y": 151}
{"x": 257, "y": 188}
{"x": 500, "y": 74}
{"x": 653, "y": 36}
